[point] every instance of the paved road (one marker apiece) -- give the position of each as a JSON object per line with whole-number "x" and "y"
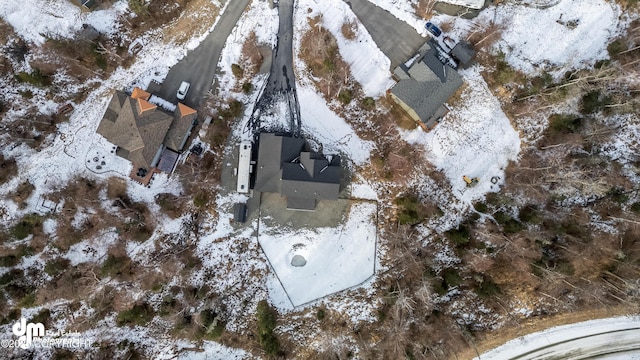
{"x": 585, "y": 340}
{"x": 281, "y": 85}
{"x": 199, "y": 66}
{"x": 394, "y": 37}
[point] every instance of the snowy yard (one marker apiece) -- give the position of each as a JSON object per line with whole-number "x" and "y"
{"x": 337, "y": 258}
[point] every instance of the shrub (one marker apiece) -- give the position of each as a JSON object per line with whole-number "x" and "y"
{"x": 345, "y": 96}
{"x": 113, "y": 265}
{"x": 266, "y": 317}
{"x": 237, "y": 71}
{"x": 509, "y": 224}
{"x": 410, "y": 211}
{"x": 8, "y": 261}
{"x": 26, "y": 226}
{"x": 616, "y": 47}
{"x": 139, "y": 314}
{"x": 635, "y": 207}
{"x": 8, "y": 169}
{"x": 29, "y": 300}
{"x": 137, "y": 6}
{"x": 487, "y": 288}
{"x": 618, "y": 195}
{"x": 460, "y": 236}
{"x": 43, "y": 317}
{"x": 201, "y": 199}
{"x": 56, "y": 266}
{"x": 565, "y": 123}
{"x": 594, "y": 101}
{"x": 451, "y": 278}
{"x": 35, "y": 77}
{"x": 368, "y": 103}
{"x": 320, "y": 314}
{"x": 481, "y": 207}
{"x": 213, "y": 327}
{"x": 530, "y": 214}
{"x": 247, "y": 87}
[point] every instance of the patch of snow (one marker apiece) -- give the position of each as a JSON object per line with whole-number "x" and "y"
{"x": 91, "y": 250}
{"x": 335, "y": 135}
{"x": 571, "y": 34}
{"x": 35, "y": 20}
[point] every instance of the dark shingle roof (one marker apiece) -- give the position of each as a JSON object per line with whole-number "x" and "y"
{"x": 284, "y": 168}
{"x": 426, "y": 85}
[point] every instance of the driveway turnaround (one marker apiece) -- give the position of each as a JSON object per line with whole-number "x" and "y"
{"x": 199, "y": 66}
{"x": 394, "y": 37}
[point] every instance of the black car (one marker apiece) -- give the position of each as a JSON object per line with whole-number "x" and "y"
{"x": 433, "y": 29}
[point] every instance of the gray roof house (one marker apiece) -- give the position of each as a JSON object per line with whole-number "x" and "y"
{"x": 149, "y": 137}
{"x": 303, "y": 177}
{"x": 424, "y": 86}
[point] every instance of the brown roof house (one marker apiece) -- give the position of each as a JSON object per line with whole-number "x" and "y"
{"x": 425, "y": 85}
{"x": 286, "y": 166}
{"x": 149, "y": 136}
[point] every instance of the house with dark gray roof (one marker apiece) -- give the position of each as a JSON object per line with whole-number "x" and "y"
{"x": 147, "y": 135}
{"x": 425, "y": 85}
{"x": 285, "y": 166}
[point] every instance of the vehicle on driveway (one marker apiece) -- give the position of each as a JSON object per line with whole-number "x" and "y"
{"x": 434, "y": 30}
{"x": 182, "y": 90}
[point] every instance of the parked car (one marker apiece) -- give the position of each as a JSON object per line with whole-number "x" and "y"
{"x": 182, "y": 90}
{"x": 433, "y": 29}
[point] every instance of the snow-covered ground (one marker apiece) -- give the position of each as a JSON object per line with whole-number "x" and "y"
{"x": 589, "y": 339}
{"x": 475, "y": 139}
{"x": 369, "y": 66}
{"x": 35, "y": 20}
{"x": 571, "y": 34}
{"x": 337, "y": 258}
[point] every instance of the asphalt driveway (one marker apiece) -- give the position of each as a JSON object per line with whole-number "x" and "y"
{"x": 199, "y": 66}
{"x": 394, "y": 37}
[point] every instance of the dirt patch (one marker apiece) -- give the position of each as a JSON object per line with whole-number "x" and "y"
{"x": 197, "y": 17}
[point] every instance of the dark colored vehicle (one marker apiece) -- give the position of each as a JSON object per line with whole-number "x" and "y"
{"x": 433, "y": 29}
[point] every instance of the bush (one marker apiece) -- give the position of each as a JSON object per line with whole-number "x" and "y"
{"x": 345, "y": 96}
{"x": 460, "y": 236}
{"x": 616, "y": 47}
{"x": 487, "y": 288}
{"x": 266, "y": 317}
{"x": 56, "y": 266}
{"x": 139, "y": 314}
{"x": 565, "y": 124}
{"x": 35, "y": 77}
{"x": 247, "y": 87}
{"x": 451, "y": 278}
{"x": 410, "y": 211}
{"x": 138, "y": 6}
{"x": 8, "y": 169}
{"x": 368, "y": 103}
{"x": 618, "y": 195}
{"x": 635, "y": 207}
{"x": 594, "y": 101}
{"x": 43, "y": 317}
{"x": 213, "y": 328}
{"x": 26, "y": 226}
{"x": 320, "y": 314}
{"x": 201, "y": 199}
{"x": 114, "y": 265}
{"x": 530, "y": 214}
{"x": 509, "y": 224}
{"x": 237, "y": 71}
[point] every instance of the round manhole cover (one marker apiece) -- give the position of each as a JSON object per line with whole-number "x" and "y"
{"x": 298, "y": 261}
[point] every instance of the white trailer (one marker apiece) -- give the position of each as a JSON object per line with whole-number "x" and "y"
{"x": 244, "y": 167}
